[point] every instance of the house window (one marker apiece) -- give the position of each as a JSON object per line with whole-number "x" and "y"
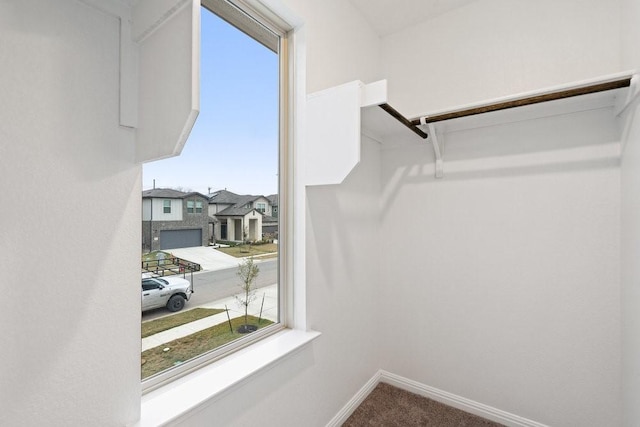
{"x": 166, "y": 206}
{"x": 194, "y": 207}
{"x": 261, "y": 207}
{"x": 243, "y": 68}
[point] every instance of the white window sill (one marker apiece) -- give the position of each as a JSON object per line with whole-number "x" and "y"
{"x": 176, "y": 399}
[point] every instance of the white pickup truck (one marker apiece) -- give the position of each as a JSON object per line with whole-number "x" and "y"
{"x": 170, "y": 292}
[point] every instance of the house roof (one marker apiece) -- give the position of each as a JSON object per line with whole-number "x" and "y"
{"x": 223, "y": 197}
{"x": 235, "y": 211}
{"x": 269, "y": 219}
{"x": 273, "y": 199}
{"x": 169, "y": 193}
{"x": 243, "y": 200}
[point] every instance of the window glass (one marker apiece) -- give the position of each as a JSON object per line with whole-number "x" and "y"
{"x": 233, "y": 297}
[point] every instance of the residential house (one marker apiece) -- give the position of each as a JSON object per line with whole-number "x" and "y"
{"x": 241, "y": 217}
{"x": 174, "y": 219}
{"x": 270, "y": 222}
{"x": 273, "y": 202}
{"x": 508, "y": 287}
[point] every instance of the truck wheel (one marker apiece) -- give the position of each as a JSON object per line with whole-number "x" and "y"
{"x": 176, "y": 303}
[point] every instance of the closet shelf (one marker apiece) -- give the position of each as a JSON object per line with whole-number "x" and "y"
{"x": 390, "y": 128}
{"x": 337, "y": 117}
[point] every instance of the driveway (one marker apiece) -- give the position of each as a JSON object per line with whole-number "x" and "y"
{"x": 208, "y": 258}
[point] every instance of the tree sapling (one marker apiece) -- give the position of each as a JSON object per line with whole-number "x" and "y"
{"x": 247, "y": 272}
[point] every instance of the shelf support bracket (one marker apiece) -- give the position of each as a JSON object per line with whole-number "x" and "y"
{"x": 436, "y": 146}
{"x": 632, "y": 96}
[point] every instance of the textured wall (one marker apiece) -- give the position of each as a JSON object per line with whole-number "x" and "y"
{"x": 502, "y": 278}
{"x": 515, "y": 289}
{"x": 494, "y": 48}
{"x": 71, "y": 237}
{"x": 631, "y": 227}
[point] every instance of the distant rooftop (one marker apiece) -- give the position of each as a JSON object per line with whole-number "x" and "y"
{"x": 168, "y": 193}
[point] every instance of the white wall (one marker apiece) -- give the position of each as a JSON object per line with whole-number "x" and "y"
{"x": 310, "y": 387}
{"x": 510, "y": 280}
{"x": 174, "y": 215}
{"x": 631, "y": 276}
{"x": 493, "y": 48}
{"x": 630, "y": 228}
{"x": 340, "y": 45}
{"x": 501, "y": 280}
{"x": 70, "y": 362}
{"x": 69, "y": 276}
{"x": 158, "y": 210}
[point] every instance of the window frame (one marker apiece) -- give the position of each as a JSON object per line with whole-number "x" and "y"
{"x": 285, "y": 191}
{"x": 168, "y": 403}
{"x": 165, "y": 207}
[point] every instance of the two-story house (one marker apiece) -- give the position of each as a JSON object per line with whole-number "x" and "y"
{"x": 174, "y": 219}
{"x": 241, "y": 217}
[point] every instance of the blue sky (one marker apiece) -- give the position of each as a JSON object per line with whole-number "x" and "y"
{"x": 234, "y": 142}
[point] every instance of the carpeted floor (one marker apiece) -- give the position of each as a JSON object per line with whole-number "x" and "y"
{"x": 388, "y": 406}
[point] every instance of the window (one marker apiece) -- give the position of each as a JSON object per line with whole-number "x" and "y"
{"x": 241, "y": 73}
{"x": 166, "y": 206}
{"x": 194, "y": 206}
{"x": 150, "y": 284}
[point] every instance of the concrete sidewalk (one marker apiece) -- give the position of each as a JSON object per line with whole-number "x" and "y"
{"x": 269, "y": 311}
{"x": 208, "y": 258}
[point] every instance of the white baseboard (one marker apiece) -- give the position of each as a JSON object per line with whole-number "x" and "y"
{"x": 467, "y": 405}
{"x": 355, "y": 401}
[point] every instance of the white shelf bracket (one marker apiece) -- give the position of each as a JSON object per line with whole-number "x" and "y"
{"x": 436, "y": 146}
{"x": 625, "y": 110}
{"x": 632, "y": 96}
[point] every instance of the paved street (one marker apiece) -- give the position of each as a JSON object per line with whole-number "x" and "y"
{"x": 215, "y": 285}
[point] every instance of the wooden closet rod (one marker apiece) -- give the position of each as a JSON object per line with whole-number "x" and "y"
{"x": 600, "y": 87}
{"x": 402, "y": 119}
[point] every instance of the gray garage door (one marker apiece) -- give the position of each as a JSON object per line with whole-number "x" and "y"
{"x": 172, "y": 239}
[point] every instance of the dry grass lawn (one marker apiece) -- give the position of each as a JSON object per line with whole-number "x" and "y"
{"x": 151, "y": 327}
{"x": 157, "y": 359}
{"x": 241, "y": 251}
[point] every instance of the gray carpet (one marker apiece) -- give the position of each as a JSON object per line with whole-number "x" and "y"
{"x": 388, "y": 406}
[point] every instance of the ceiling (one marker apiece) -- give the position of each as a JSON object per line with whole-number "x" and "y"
{"x": 388, "y": 16}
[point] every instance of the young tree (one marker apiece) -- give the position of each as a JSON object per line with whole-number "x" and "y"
{"x": 245, "y": 235}
{"x": 247, "y": 272}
